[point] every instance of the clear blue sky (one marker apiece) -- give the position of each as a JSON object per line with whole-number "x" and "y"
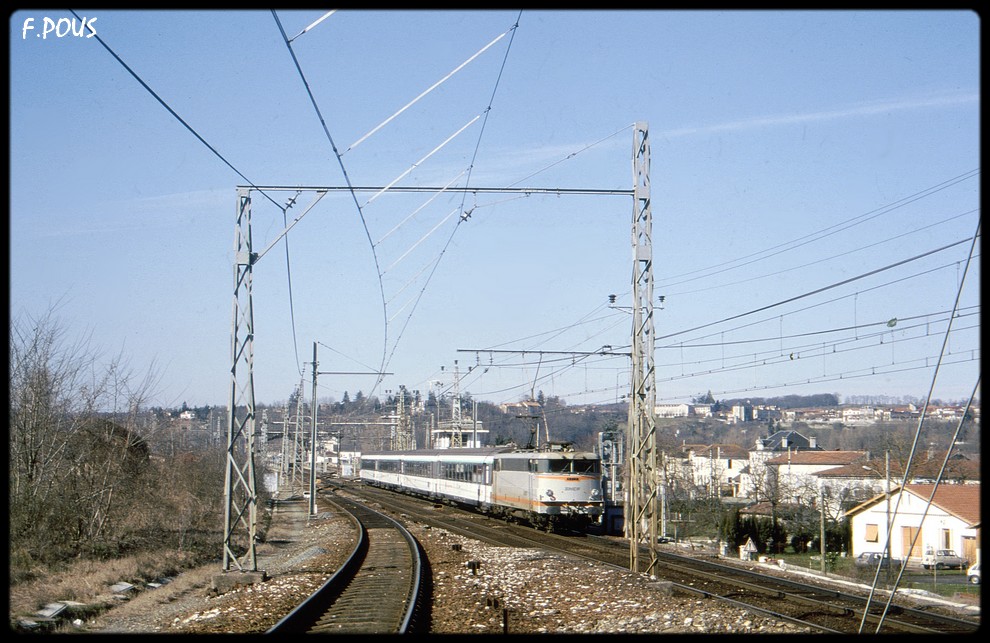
{"x": 791, "y": 151}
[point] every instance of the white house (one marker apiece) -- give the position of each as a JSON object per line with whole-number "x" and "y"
{"x": 952, "y": 521}
{"x": 797, "y": 476}
{"x": 718, "y": 468}
{"x": 672, "y": 410}
{"x": 701, "y": 410}
{"x": 858, "y": 415}
{"x": 753, "y": 479}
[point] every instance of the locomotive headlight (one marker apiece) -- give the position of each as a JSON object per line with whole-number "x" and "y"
{"x": 595, "y": 493}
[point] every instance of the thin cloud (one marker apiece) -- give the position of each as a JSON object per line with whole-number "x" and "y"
{"x": 869, "y": 109}
{"x": 127, "y": 215}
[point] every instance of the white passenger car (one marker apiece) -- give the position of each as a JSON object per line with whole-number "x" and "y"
{"x": 549, "y": 487}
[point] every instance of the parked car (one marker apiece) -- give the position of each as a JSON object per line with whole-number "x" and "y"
{"x": 973, "y": 574}
{"x": 944, "y": 559}
{"x": 870, "y": 559}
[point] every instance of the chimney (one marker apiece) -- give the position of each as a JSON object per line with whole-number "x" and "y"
{"x": 813, "y": 442}
{"x": 783, "y": 443}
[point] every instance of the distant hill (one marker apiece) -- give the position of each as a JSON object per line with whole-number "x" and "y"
{"x": 819, "y": 400}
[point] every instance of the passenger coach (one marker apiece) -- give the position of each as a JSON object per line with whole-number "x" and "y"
{"x": 548, "y": 487}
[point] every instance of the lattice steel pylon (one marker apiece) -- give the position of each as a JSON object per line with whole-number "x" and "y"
{"x": 641, "y": 512}
{"x": 298, "y": 444}
{"x": 240, "y": 495}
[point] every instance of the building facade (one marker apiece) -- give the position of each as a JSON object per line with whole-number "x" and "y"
{"x": 950, "y": 521}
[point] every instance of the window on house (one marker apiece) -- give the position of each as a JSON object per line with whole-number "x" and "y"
{"x": 872, "y": 533}
{"x": 946, "y": 539}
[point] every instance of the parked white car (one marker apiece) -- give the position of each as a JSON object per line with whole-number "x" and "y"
{"x": 973, "y": 574}
{"x": 944, "y": 559}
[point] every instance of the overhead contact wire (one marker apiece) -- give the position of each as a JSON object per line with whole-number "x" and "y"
{"x": 821, "y": 234}
{"x": 443, "y": 251}
{"x": 353, "y": 194}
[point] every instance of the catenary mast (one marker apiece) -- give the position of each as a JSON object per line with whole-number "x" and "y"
{"x": 641, "y": 512}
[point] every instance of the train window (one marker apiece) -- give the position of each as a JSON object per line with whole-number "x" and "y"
{"x": 512, "y": 464}
{"x": 418, "y": 469}
{"x": 480, "y": 474}
{"x": 586, "y": 466}
{"x": 390, "y": 466}
{"x": 567, "y": 465}
{"x": 558, "y": 466}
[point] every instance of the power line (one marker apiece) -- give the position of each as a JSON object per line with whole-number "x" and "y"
{"x": 825, "y": 331}
{"x": 846, "y": 375}
{"x": 461, "y": 219}
{"x": 434, "y": 86}
{"x": 830, "y": 301}
{"x": 924, "y": 410}
{"x": 847, "y": 224}
{"x": 171, "y": 111}
{"x": 347, "y": 179}
{"x": 777, "y": 273}
{"x": 792, "y": 354}
{"x": 189, "y": 127}
{"x": 818, "y": 290}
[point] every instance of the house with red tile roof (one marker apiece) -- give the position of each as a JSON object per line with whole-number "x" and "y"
{"x": 920, "y": 516}
{"x": 797, "y": 477}
{"x": 754, "y": 481}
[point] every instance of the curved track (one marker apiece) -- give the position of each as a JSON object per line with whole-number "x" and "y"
{"x": 378, "y": 590}
{"x": 820, "y": 607}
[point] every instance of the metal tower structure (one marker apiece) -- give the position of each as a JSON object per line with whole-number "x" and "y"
{"x": 457, "y": 437}
{"x": 313, "y": 441}
{"x": 641, "y": 511}
{"x": 240, "y": 488}
{"x": 284, "y": 463}
{"x": 298, "y": 445}
{"x": 240, "y": 496}
{"x": 405, "y": 437}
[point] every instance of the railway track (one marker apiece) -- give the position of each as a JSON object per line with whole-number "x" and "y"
{"x": 821, "y": 608}
{"x": 829, "y": 609}
{"x": 380, "y": 589}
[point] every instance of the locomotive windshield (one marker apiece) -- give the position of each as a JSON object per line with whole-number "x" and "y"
{"x": 577, "y": 465}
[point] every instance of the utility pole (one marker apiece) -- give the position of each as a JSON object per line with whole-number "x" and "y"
{"x": 313, "y": 433}
{"x": 240, "y": 490}
{"x": 284, "y": 468}
{"x": 456, "y": 438}
{"x": 886, "y": 475}
{"x": 312, "y": 444}
{"x": 821, "y": 488}
{"x": 298, "y": 447}
{"x": 641, "y": 511}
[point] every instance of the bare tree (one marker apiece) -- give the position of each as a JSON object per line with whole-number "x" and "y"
{"x": 74, "y": 456}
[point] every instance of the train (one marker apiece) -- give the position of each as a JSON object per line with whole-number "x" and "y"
{"x": 552, "y": 487}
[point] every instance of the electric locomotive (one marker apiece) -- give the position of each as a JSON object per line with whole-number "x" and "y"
{"x": 551, "y": 487}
